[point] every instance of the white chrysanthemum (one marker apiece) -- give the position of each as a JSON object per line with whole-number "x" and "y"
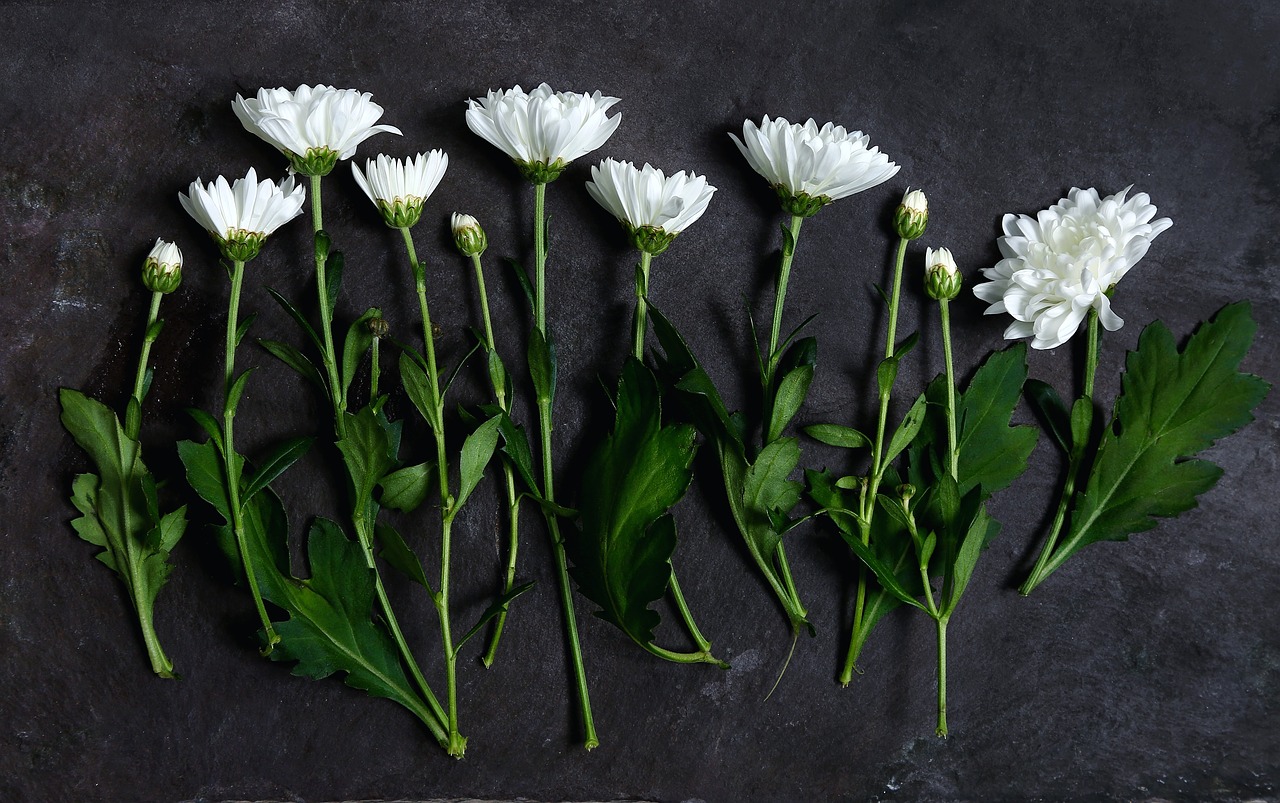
{"x": 241, "y": 215}
{"x": 400, "y": 188}
{"x": 653, "y": 207}
{"x": 811, "y": 166}
{"x": 1063, "y": 262}
{"x": 314, "y": 126}
{"x": 543, "y": 130}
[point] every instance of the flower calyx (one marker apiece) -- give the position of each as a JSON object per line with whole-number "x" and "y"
{"x": 315, "y": 162}
{"x": 541, "y": 172}
{"x": 912, "y": 215}
{"x": 652, "y": 240}
{"x": 240, "y": 245}
{"x": 800, "y": 204}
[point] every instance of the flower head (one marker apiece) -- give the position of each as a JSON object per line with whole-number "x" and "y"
{"x": 942, "y": 278}
{"x": 653, "y": 207}
{"x": 240, "y": 216}
{"x": 162, "y": 269}
{"x": 1065, "y": 261}
{"x": 314, "y": 127}
{"x": 912, "y": 214}
{"x": 400, "y": 188}
{"x": 542, "y": 130}
{"x": 809, "y": 166}
{"x": 468, "y": 236}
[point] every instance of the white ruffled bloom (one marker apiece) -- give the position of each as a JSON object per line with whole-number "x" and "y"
{"x": 314, "y": 127}
{"x": 1063, "y": 262}
{"x": 400, "y": 188}
{"x": 652, "y": 206}
{"x": 809, "y": 166}
{"x": 543, "y": 130}
{"x": 240, "y": 216}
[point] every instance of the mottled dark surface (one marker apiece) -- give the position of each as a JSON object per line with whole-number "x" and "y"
{"x": 1144, "y": 670}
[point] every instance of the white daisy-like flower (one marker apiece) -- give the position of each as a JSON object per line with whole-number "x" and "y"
{"x": 400, "y": 188}
{"x": 240, "y": 216}
{"x": 809, "y": 166}
{"x": 652, "y": 206}
{"x": 1064, "y": 261}
{"x": 162, "y": 269}
{"x": 543, "y": 130}
{"x": 314, "y": 126}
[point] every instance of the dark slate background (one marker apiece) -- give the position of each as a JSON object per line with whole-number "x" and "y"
{"x": 1143, "y": 670}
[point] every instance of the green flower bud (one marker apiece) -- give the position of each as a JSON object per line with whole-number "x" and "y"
{"x": 800, "y": 204}
{"x": 942, "y": 278}
{"x": 315, "y": 162}
{"x": 162, "y": 270}
{"x": 541, "y": 172}
{"x": 911, "y": 216}
{"x": 652, "y": 240}
{"x": 468, "y": 235}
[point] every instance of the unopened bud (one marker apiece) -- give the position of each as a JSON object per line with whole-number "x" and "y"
{"x": 906, "y": 491}
{"x": 162, "y": 270}
{"x": 468, "y": 235}
{"x": 378, "y": 326}
{"x": 911, "y": 216}
{"x": 942, "y": 278}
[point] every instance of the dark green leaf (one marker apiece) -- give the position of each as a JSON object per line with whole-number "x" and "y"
{"x": 418, "y": 386}
{"x": 792, "y": 391}
{"x": 903, "y": 348}
{"x": 499, "y": 380}
{"x": 458, "y": 369}
{"x": 907, "y": 430}
{"x": 885, "y": 574}
{"x": 333, "y": 279}
{"x": 368, "y": 455}
{"x": 477, "y": 450}
{"x": 886, "y": 373}
{"x": 153, "y": 331}
{"x": 132, "y": 418}
{"x": 209, "y": 424}
{"x": 206, "y": 474}
{"x": 407, "y": 488}
{"x": 982, "y": 530}
{"x": 358, "y": 341}
{"x": 1173, "y": 405}
{"x": 766, "y": 489}
{"x": 499, "y": 605}
{"x": 244, "y": 326}
{"x": 1082, "y": 415}
{"x": 837, "y": 435}
{"x": 295, "y": 359}
{"x": 276, "y": 463}
{"x": 236, "y": 391}
{"x": 1049, "y": 406}
{"x": 522, "y": 279}
{"x": 993, "y": 453}
{"x": 542, "y": 367}
{"x": 298, "y": 318}
{"x": 788, "y": 242}
{"x": 400, "y": 556}
{"x": 622, "y": 556}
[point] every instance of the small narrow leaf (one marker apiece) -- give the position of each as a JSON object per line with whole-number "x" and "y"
{"x": 276, "y": 463}
{"x": 542, "y": 366}
{"x": 499, "y": 605}
{"x": 298, "y": 318}
{"x": 792, "y": 391}
{"x": 400, "y": 556}
{"x": 477, "y": 450}
{"x": 1051, "y": 409}
{"x": 837, "y": 435}
{"x": 906, "y": 431}
{"x": 333, "y": 279}
{"x": 236, "y": 391}
{"x": 295, "y": 359}
{"x": 355, "y": 346}
{"x": 244, "y": 326}
{"x": 407, "y": 488}
{"x": 209, "y": 424}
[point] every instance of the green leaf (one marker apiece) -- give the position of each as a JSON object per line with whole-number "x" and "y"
{"x": 368, "y": 454}
{"x": 788, "y": 242}
{"x": 400, "y": 556}
{"x": 838, "y": 503}
{"x": 477, "y": 450}
{"x": 993, "y": 453}
{"x": 981, "y": 532}
{"x": 499, "y": 605}
{"x": 542, "y": 367}
{"x": 1173, "y": 405}
{"x": 886, "y": 373}
{"x": 499, "y": 379}
{"x": 1082, "y": 416}
{"x": 837, "y": 435}
{"x": 235, "y": 392}
{"x": 907, "y": 430}
{"x": 766, "y": 489}
{"x": 407, "y": 488}
{"x": 622, "y": 555}
{"x": 1049, "y": 406}
{"x": 885, "y": 574}
{"x": 792, "y": 391}
{"x": 209, "y": 424}
{"x": 418, "y": 387}
{"x": 132, "y": 418}
{"x": 206, "y": 474}
{"x": 905, "y": 347}
{"x": 153, "y": 331}
{"x": 331, "y": 629}
{"x": 244, "y": 326}
{"x": 359, "y": 340}
{"x": 333, "y": 279}
{"x": 522, "y": 279}
{"x": 276, "y": 463}
{"x": 295, "y": 359}
{"x": 298, "y": 318}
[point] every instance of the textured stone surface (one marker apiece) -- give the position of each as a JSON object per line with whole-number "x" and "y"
{"x": 1144, "y": 670}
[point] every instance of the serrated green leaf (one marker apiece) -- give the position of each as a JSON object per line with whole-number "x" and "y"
{"x": 837, "y": 435}
{"x": 477, "y": 450}
{"x": 295, "y": 359}
{"x": 499, "y": 605}
{"x": 407, "y": 488}
{"x": 358, "y": 341}
{"x": 1173, "y": 405}
{"x": 400, "y": 556}
{"x": 622, "y": 555}
{"x": 331, "y": 629}
{"x": 993, "y": 452}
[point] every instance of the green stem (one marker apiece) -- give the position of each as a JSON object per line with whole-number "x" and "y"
{"x": 375, "y": 368}
{"x": 953, "y": 450}
{"x": 229, "y": 455}
{"x": 457, "y": 742}
{"x": 1043, "y": 568}
{"x": 642, "y": 294}
{"x": 326, "y": 316}
{"x": 545, "y": 425}
{"x": 147, "y": 340}
{"x": 701, "y": 657}
{"x": 678, "y": 596}
{"x": 489, "y": 344}
{"x": 160, "y": 663}
{"x": 942, "y": 677}
{"x": 892, "y": 341}
{"x": 780, "y": 297}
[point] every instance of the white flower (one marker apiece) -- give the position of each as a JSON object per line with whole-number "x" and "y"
{"x": 162, "y": 269}
{"x": 653, "y": 207}
{"x": 468, "y": 236}
{"x": 400, "y": 188}
{"x": 1063, "y": 262}
{"x": 542, "y": 130}
{"x": 240, "y": 216}
{"x": 314, "y": 127}
{"x": 811, "y": 166}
